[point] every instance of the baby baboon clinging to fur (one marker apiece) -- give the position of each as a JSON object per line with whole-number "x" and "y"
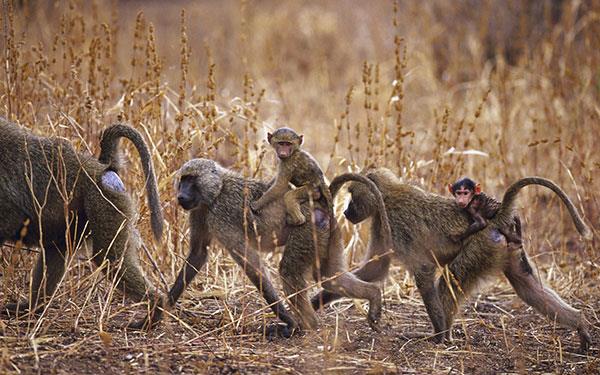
{"x": 480, "y": 207}
{"x": 298, "y": 167}
{"x": 217, "y": 199}
{"x": 421, "y": 225}
{"x": 64, "y": 196}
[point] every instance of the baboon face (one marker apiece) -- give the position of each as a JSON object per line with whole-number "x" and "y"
{"x": 285, "y": 141}
{"x": 200, "y": 184}
{"x": 361, "y": 204}
{"x": 188, "y": 194}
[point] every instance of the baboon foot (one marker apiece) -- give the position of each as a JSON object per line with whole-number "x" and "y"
{"x": 585, "y": 340}
{"x": 295, "y": 220}
{"x": 19, "y": 309}
{"x": 373, "y": 318}
{"x": 285, "y": 331}
{"x": 436, "y": 338}
{"x": 147, "y": 323}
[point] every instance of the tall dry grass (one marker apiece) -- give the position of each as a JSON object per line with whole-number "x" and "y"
{"x": 407, "y": 85}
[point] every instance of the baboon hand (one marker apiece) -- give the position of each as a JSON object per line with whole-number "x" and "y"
{"x": 455, "y": 238}
{"x": 254, "y": 207}
{"x": 274, "y": 331}
{"x": 149, "y": 322}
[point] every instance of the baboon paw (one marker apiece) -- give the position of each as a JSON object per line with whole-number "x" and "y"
{"x": 585, "y": 341}
{"x": 19, "y": 309}
{"x": 374, "y": 324}
{"x": 145, "y": 324}
{"x": 274, "y": 331}
{"x": 296, "y": 221}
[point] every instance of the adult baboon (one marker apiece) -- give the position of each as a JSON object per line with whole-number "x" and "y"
{"x": 61, "y": 196}
{"x": 218, "y": 200}
{"x": 422, "y": 224}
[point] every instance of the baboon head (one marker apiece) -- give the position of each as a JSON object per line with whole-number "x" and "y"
{"x": 362, "y": 203}
{"x": 200, "y": 182}
{"x": 285, "y": 141}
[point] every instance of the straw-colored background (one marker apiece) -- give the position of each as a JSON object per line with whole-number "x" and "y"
{"x": 434, "y": 90}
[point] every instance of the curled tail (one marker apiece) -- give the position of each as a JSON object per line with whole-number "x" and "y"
{"x": 340, "y": 180}
{"x": 511, "y": 194}
{"x": 109, "y": 145}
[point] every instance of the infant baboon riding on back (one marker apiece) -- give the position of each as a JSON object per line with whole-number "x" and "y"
{"x": 298, "y": 167}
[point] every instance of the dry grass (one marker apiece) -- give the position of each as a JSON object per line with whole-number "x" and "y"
{"x": 403, "y": 84}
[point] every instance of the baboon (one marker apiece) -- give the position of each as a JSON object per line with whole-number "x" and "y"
{"x": 298, "y": 167}
{"x": 480, "y": 207}
{"x": 217, "y": 199}
{"x": 62, "y": 196}
{"x": 421, "y": 224}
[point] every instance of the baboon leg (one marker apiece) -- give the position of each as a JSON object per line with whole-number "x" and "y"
{"x": 530, "y": 289}
{"x": 250, "y": 261}
{"x": 348, "y": 285}
{"x": 292, "y": 201}
{"x": 478, "y": 258}
{"x": 48, "y": 270}
{"x": 425, "y": 280}
{"x": 116, "y": 240}
{"x": 195, "y": 261}
{"x": 374, "y": 269}
{"x": 294, "y": 287}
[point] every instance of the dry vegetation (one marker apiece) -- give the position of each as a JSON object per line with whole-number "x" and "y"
{"x": 434, "y": 90}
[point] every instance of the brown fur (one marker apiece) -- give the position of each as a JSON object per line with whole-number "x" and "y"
{"x": 299, "y": 168}
{"x": 44, "y": 182}
{"x": 421, "y": 226}
{"x": 216, "y": 200}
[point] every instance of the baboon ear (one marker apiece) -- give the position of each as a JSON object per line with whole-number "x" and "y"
{"x": 269, "y": 136}
{"x": 477, "y": 189}
{"x": 450, "y": 189}
{"x": 301, "y": 138}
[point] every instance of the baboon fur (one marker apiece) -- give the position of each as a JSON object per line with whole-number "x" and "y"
{"x": 422, "y": 223}
{"x": 218, "y": 200}
{"x": 63, "y": 196}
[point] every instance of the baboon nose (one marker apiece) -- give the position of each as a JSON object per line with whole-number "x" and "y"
{"x": 182, "y": 200}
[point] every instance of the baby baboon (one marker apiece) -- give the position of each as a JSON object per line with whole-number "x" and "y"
{"x": 217, "y": 197}
{"x": 63, "y": 195}
{"x": 480, "y": 207}
{"x": 421, "y": 224}
{"x": 298, "y": 167}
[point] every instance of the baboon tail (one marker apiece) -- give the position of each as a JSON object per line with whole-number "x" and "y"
{"x": 341, "y": 179}
{"x": 109, "y": 155}
{"x": 511, "y": 194}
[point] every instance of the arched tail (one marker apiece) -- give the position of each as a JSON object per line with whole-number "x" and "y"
{"x": 511, "y": 193}
{"x": 341, "y": 179}
{"x": 109, "y": 155}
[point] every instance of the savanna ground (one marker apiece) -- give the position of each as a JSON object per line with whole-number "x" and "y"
{"x": 433, "y": 90}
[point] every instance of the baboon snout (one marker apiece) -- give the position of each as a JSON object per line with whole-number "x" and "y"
{"x": 185, "y": 201}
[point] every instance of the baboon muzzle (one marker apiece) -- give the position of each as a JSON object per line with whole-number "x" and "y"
{"x": 185, "y": 202}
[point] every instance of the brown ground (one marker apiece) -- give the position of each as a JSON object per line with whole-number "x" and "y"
{"x": 496, "y": 333}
